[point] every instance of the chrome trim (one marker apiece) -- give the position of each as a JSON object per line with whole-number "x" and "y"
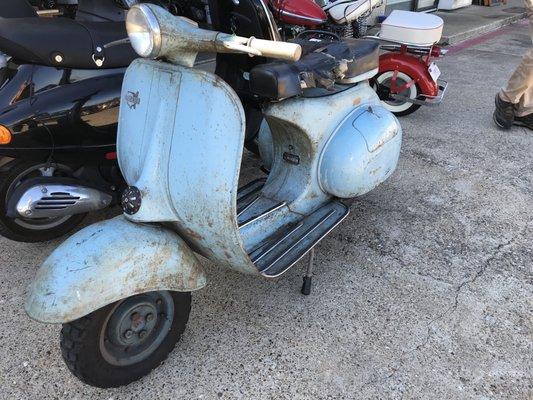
{"x": 272, "y": 23}
{"x": 399, "y": 42}
{"x": 289, "y": 14}
{"x": 348, "y": 2}
{"x": 306, "y": 234}
{"x": 314, "y": 244}
{"x": 117, "y": 43}
{"x": 48, "y": 13}
{"x": 153, "y": 26}
{"x": 269, "y": 250}
{"x": 264, "y": 214}
{"x": 257, "y": 197}
{"x": 58, "y": 200}
{"x": 424, "y": 100}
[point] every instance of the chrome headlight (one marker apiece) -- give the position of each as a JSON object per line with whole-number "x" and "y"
{"x": 144, "y": 31}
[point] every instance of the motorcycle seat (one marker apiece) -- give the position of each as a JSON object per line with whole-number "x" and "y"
{"x": 343, "y": 12}
{"x": 349, "y": 62}
{"x": 65, "y": 43}
{"x": 16, "y": 9}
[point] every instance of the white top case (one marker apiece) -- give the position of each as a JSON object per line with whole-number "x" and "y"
{"x": 414, "y": 28}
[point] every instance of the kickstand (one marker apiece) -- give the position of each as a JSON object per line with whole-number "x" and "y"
{"x": 306, "y": 286}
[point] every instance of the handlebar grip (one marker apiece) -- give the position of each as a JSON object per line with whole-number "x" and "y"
{"x": 279, "y": 50}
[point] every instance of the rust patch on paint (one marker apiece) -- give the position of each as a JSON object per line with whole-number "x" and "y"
{"x": 193, "y": 234}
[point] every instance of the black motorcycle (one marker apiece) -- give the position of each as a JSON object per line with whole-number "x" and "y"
{"x": 60, "y": 82}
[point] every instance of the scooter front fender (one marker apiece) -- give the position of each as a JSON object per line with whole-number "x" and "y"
{"x": 109, "y": 261}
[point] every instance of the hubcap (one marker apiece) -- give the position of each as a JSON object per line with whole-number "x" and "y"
{"x": 399, "y": 82}
{"x": 136, "y": 327}
{"x": 396, "y": 105}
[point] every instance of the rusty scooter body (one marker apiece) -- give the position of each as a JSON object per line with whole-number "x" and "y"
{"x": 122, "y": 287}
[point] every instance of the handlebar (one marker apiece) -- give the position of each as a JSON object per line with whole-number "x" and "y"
{"x": 179, "y": 38}
{"x": 258, "y": 47}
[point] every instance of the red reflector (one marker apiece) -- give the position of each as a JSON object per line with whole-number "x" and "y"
{"x": 435, "y": 51}
{"x": 112, "y": 155}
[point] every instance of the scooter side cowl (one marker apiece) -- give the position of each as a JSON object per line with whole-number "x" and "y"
{"x": 362, "y": 153}
{"x": 109, "y": 261}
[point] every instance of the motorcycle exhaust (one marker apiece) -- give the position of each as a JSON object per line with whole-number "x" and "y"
{"x": 48, "y": 198}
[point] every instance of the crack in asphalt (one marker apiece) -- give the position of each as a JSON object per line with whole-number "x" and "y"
{"x": 494, "y": 254}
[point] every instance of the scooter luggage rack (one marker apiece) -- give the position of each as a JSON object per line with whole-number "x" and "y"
{"x": 413, "y": 49}
{"x": 425, "y": 100}
{"x": 400, "y": 43}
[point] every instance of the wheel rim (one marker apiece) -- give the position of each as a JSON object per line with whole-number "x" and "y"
{"x": 136, "y": 327}
{"x": 410, "y": 92}
{"x": 36, "y": 171}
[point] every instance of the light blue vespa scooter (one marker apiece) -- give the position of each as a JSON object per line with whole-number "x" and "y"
{"x": 122, "y": 287}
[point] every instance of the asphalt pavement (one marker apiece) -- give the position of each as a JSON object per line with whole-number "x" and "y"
{"x": 424, "y": 292}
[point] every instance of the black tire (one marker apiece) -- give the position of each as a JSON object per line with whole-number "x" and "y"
{"x": 22, "y": 230}
{"x": 81, "y": 344}
{"x": 410, "y": 110}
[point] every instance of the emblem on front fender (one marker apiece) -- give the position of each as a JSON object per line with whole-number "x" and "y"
{"x": 133, "y": 99}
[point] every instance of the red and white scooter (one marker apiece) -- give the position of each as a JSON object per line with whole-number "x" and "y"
{"x": 408, "y": 76}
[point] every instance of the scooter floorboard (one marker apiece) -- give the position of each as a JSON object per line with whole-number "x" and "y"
{"x": 289, "y": 244}
{"x": 248, "y": 193}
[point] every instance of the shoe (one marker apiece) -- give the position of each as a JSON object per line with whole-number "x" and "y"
{"x": 503, "y": 113}
{"x": 526, "y": 120}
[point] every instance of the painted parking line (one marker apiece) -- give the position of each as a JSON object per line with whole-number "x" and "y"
{"x": 486, "y": 37}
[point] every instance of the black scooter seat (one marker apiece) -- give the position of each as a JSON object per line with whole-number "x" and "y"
{"x": 65, "y": 43}
{"x": 16, "y": 9}
{"x": 319, "y": 67}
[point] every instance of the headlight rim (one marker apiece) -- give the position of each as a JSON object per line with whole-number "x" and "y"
{"x": 153, "y": 29}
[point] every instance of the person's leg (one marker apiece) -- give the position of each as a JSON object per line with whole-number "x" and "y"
{"x": 515, "y": 102}
{"x": 519, "y": 89}
{"x": 524, "y": 110}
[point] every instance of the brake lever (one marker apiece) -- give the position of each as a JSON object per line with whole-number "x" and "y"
{"x": 242, "y": 48}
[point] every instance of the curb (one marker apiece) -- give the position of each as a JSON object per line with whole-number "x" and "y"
{"x": 460, "y": 37}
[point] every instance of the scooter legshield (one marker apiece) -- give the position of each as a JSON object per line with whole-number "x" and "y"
{"x": 109, "y": 261}
{"x": 180, "y": 142}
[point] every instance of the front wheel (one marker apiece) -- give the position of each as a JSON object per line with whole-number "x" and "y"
{"x": 397, "y": 107}
{"x": 122, "y": 342}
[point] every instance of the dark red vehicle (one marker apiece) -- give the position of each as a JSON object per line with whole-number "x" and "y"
{"x": 408, "y": 76}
